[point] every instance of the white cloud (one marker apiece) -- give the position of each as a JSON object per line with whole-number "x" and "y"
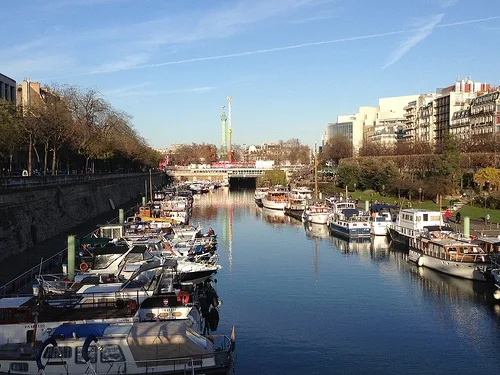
{"x": 447, "y": 3}
{"x": 423, "y": 28}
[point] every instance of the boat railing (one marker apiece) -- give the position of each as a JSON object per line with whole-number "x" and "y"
{"x": 222, "y": 356}
{"x": 25, "y": 280}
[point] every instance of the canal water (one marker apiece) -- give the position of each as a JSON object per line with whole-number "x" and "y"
{"x": 304, "y": 302}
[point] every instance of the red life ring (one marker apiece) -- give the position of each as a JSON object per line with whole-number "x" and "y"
{"x": 183, "y": 296}
{"x": 84, "y": 266}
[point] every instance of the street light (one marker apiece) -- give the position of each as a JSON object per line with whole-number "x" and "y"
{"x": 420, "y": 194}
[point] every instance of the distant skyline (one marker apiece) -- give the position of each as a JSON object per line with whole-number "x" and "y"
{"x": 290, "y": 66}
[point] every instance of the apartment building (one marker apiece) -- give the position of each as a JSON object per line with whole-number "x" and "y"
{"x": 7, "y": 89}
{"x": 29, "y": 93}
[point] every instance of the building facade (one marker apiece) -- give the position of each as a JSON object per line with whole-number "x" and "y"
{"x": 7, "y": 89}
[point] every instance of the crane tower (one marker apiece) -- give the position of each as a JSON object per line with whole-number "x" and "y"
{"x": 223, "y": 146}
{"x": 229, "y": 131}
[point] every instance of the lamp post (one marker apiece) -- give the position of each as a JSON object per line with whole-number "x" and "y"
{"x": 420, "y": 194}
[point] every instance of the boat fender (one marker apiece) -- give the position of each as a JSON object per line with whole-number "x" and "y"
{"x": 132, "y": 306}
{"x": 204, "y": 306}
{"x": 496, "y": 294}
{"x": 50, "y": 341}
{"x": 213, "y": 319}
{"x": 420, "y": 261}
{"x": 85, "y": 347}
{"x": 84, "y": 267}
{"x": 183, "y": 296}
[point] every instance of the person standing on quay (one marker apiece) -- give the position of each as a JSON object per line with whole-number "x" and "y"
{"x": 458, "y": 217}
{"x": 447, "y": 215}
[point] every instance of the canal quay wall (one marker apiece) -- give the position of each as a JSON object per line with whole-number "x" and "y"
{"x": 31, "y": 215}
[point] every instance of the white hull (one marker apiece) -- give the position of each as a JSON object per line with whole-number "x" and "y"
{"x": 466, "y": 270}
{"x": 315, "y": 218}
{"x": 378, "y": 229}
{"x": 273, "y": 205}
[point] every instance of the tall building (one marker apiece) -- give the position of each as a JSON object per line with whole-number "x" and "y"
{"x": 29, "y": 93}
{"x": 352, "y": 126}
{"x": 390, "y": 119}
{"x": 416, "y": 130}
{"x": 453, "y": 99}
{"x": 7, "y": 89}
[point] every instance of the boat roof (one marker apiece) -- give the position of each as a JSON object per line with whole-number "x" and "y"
{"x": 418, "y": 210}
{"x": 489, "y": 239}
{"x": 14, "y": 302}
{"x": 382, "y": 206}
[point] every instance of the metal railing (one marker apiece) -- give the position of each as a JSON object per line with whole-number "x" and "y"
{"x": 33, "y": 181}
{"x": 21, "y": 282}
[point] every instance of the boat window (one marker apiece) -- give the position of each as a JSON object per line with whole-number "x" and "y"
{"x": 19, "y": 366}
{"x": 112, "y": 353}
{"x": 92, "y": 354}
{"x": 425, "y": 217}
{"x": 104, "y": 260}
{"x": 57, "y": 352}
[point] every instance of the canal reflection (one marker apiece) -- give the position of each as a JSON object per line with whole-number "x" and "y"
{"x": 391, "y": 312}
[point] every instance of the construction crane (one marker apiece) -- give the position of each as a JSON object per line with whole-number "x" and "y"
{"x": 229, "y": 131}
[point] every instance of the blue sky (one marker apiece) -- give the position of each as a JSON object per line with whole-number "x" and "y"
{"x": 289, "y": 65}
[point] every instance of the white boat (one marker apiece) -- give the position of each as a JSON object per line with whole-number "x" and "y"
{"x": 380, "y": 218}
{"x": 297, "y": 199}
{"x": 260, "y": 193}
{"x": 167, "y": 347}
{"x": 316, "y": 213}
{"x": 349, "y": 223}
{"x": 411, "y": 223}
{"x": 152, "y": 296}
{"x": 438, "y": 251}
{"x": 275, "y": 199}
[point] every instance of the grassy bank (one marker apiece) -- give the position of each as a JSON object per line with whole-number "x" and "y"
{"x": 475, "y": 213}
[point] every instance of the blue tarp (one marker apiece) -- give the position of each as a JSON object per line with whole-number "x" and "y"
{"x": 80, "y": 330}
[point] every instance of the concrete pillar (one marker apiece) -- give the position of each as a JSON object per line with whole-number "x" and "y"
{"x": 367, "y": 206}
{"x": 121, "y": 215}
{"x": 143, "y": 201}
{"x": 466, "y": 226}
{"x": 71, "y": 257}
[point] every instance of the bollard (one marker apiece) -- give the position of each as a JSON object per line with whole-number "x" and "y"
{"x": 71, "y": 257}
{"x": 320, "y": 195}
{"x": 121, "y": 216}
{"x": 466, "y": 226}
{"x": 367, "y": 206}
{"x": 143, "y": 201}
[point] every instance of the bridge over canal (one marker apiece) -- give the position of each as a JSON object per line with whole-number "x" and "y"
{"x": 234, "y": 175}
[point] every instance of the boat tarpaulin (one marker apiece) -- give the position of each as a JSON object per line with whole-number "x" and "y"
{"x": 80, "y": 330}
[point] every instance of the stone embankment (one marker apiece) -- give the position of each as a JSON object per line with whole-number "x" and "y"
{"x": 32, "y": 215}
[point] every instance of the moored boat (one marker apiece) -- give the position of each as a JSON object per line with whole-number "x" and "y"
{"x": 411, "y": 223}
{"x": 275, "y": 199}
{"x": 167, "y": 347}
{"x": 349, "y": 223}
{"x": 316, "y": 213}
{"x": 440, "y": 251}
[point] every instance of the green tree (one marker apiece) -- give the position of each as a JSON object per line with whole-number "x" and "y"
{"x": 376, "y": 175}
{"x": 448, "y": 163}
{"x": 274, "y": 177}
{"x": 348, "y": 174}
